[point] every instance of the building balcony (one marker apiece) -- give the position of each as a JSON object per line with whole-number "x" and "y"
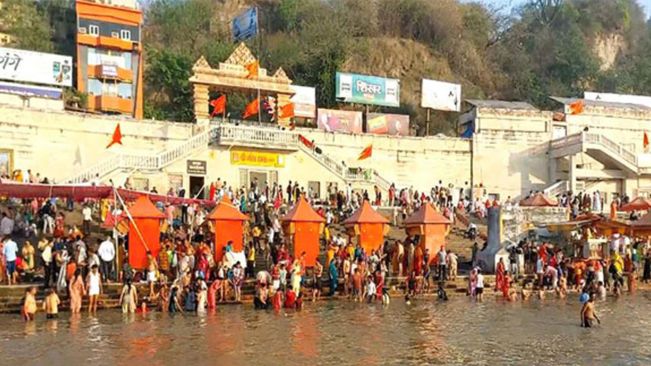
{"x": 109, "y": 72}
{"x": 106, "y": 42}
{"x": 110, "y": 103}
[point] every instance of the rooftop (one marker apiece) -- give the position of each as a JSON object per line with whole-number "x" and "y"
{"x": 500, "y": 104}
{"x": 601, "y": 103}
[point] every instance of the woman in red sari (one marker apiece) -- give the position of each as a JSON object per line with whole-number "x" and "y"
{"x": 506, "y": 286}
{"x": 499, "y": 275}
{"x": 379, "y": 282}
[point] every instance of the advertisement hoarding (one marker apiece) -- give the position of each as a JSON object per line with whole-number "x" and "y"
{"x": 441, "y": 95}
{"x": 35, "y": 67}
{"x": 332, "y": 120}
{"x": 304, "y": 101}
{"x": 387, "y": 124}
{"x": 365, "y": 89}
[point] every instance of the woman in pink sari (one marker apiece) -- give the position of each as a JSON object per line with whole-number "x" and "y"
{"x": 211, "y": 302}
{"x": 77, "y": 292}
{"x": 472, "y": 282}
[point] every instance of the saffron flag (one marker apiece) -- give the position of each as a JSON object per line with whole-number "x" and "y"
{"x": 252, "y": 68}
{"x": 218, "y": 105}
{"x": 366, "y": 153}
{"x": 645, "y": 142}
{"x": 251, "y": 109}
{"x": 576, "y": 107}
{"x": 117, "y": 137}
{"x": 286, "y": 111}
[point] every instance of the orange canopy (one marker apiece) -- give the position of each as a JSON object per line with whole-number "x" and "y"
{"x": 638, "y": 204}
{"x": 302, "y": 212}
{"x": 369, "y": 227}
{"x": 144, "y": 209}
{"x": 538, "y": 200}
{"x": 431, "y": 226}
{"x": 426, "y": 214}
{"x": 144, "y": 232}
{"x": 225, "y": 210}
{"x": 228, "y": 223}
{"x": 365, "y": 215}
{"x": 304, "y": 226}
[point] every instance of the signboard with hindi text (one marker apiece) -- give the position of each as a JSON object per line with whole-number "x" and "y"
{"x": 304, "y": 100}
{"x": 441, "y": 96}
{"x": 365, "y": 89}
{"x": 198, "y": 167}
{"x": 332, "y": 120}
{"x": 387, "y": 124}
{"x": 257, "y": 158}
{"x": 35, "y": 67}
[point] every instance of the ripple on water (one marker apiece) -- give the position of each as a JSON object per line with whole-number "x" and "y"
{"x": 427, "y": 332}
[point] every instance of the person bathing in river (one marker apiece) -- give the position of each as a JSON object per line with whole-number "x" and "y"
{"x": 588, "y": 313}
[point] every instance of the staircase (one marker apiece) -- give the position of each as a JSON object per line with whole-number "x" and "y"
{"x": 557, "y": 189}
{"x": 606, "y": 151}
{"x": 146, "y": 162}
{"x": 266, "y": 137}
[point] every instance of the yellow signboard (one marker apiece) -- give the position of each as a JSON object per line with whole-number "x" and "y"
{"x": 257, "y": 158}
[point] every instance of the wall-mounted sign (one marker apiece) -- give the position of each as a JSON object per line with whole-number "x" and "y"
{"x": 197, "y": 167}
{"x": 109, "y": 71}
{"x": 257, "y": 158}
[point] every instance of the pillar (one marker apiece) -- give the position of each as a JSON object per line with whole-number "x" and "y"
{"x": 201, "y": 99}
{"x": 572, "y": 174}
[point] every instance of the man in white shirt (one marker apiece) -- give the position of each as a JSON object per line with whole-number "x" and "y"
{"x": 87, "y": 213}
{"x": 106, "y": 252}
{"x": 479, "y": 288}
{"x": 10, "y": 252}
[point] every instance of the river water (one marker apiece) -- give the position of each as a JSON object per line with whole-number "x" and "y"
{"x": 336, "y": 333}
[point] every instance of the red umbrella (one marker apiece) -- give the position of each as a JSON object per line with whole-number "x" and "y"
{"x": 638, "y": 204}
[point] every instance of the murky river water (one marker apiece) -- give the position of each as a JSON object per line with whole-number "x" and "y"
{"x": 337, "y": 333}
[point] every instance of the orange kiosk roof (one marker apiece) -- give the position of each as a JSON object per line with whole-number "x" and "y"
{"x": 225, "y": 210}
{"x": 427, "y": 214}
{"x": 144, "y": 209}
{"x": 302, "y": 212}
{"x": 366, "y": 215}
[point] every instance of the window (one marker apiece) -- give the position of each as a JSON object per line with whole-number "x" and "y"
{"x": 125, "y": 34}
{"x": 126, "y": 56}
{"x": 110, "y": 89}
{"x": 94, "y": 87}
{"x": 93, "y": 30}
{"x": 124, "y": 90}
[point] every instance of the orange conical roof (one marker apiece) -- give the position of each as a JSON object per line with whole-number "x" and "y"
{"x": 538, "y": 200}
{"x": 427, "y": 214}
{"x": 302, "y": 212}
{"x": 366, "y": 215}
{"x": 225, "y": 210}
{"x": 144, "y": 209}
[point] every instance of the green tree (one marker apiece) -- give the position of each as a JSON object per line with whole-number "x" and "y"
{"x": 27, "y": 25}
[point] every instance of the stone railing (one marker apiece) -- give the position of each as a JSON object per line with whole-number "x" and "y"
{"x": 233, "y": 132}
{"x": 557, "y": 189}
{"x": 146, "y": 162}
{"x": 599, "y": 139}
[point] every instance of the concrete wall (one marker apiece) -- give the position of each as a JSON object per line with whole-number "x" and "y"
{"x": 407, "y": 161}
{"x": 57, "y": 144}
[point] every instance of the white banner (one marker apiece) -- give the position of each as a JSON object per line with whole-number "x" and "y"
{"x": 304, "y": 101}
{"x": 441, "y": 95}
{"x": 35, "y": 67}
{"x": 618, "y": 98}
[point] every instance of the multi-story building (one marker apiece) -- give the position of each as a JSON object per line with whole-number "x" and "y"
{"x": 109, "y": 55}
